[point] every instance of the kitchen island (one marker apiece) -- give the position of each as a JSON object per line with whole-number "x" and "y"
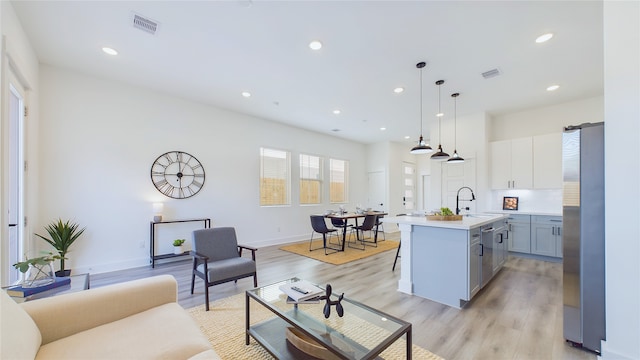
{"x": 450, "y": 261}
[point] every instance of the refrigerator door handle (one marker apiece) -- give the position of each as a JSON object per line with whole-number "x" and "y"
{"x": 481, "y": 249}
{"x": 553, "y": 230}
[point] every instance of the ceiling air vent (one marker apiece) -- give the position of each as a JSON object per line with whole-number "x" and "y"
{"x": 491, "y": 73}
{"x": 144, "y": 24}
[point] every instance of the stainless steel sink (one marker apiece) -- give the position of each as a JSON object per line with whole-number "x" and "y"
{"x": 479, "y": 215}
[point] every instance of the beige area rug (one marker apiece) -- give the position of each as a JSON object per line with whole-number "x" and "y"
{"x": 340, "y": 257}
{"x": 224, "y": 325}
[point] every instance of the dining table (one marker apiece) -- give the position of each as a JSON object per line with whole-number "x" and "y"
{"x": 354, "y": 215}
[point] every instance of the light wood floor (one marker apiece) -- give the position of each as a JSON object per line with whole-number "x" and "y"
{"x": 517, "y": 316}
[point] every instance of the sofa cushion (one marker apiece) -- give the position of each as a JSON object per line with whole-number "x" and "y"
{"x": 164, "y": 332}
{"x": 229, "y": 268}
{"x": 20, "y": 338}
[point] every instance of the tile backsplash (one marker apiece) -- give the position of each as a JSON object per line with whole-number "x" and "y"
{"x": 534, "y": 201}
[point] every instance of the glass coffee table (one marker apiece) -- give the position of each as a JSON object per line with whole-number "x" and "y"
{"x": 78, "y": 283}
{"x": 362, "y": 333}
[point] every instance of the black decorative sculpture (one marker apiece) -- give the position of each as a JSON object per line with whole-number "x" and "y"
{"x": 329, "y": 303}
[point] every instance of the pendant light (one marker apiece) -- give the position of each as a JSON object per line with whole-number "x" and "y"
{"x": 422, "y": 147}
{"x": 455, "y": 158}
{"x": 440, "y": 155}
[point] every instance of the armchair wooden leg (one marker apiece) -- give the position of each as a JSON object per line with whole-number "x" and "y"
{"x": 255, "y": 280}
{"x": 193, "y": 281}
{"x": 206, "y": 296}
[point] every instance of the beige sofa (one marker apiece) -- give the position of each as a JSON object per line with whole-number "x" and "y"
{"x": 138, "y": 319}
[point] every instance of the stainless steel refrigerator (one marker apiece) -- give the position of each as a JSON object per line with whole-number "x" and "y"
{"x": 583, "y": 236}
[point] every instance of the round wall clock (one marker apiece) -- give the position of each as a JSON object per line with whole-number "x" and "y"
{"x": 177, "y": 174}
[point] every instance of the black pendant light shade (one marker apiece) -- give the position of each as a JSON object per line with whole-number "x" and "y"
{"x": 455, "y": 158}
{"x": 422, "y": 147}
{"x": 440, "y": 154}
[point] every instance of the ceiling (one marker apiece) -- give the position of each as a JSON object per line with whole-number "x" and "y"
{"x": 212, "y": 51}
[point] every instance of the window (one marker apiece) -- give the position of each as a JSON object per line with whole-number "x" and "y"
{"x": 338, "y": 180}
{"x": 275, "y": 178}
{"x": 310, "y": 179}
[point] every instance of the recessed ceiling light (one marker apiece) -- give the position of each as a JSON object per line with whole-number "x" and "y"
{"x": 110, "y": 51}
{"x": 440, "y": 114}
{"x": 383, "y": 128}
{"x": 553, "y": 87}
{"x": 246, "y": 94}
{"x": 398, "y": 90}
{"x": 315, "y": 45}
{"x": 337, "y": 112}
{"x": 407, "y": 137}
{"x": 544, "y": 38}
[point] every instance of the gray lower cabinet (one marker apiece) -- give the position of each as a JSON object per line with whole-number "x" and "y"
{"x": 546, "y": 235}
{"x": 474, "y": 261}
{"x": 519, "y": 233}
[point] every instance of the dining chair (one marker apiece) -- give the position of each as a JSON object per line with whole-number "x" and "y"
{"x": 217, "y": 258}
{"x": 320, "y": 226}
{"x": 397, "y": 251}
{"x": 380, "y": 225}
{"x": 339, "y": 224}
{"x": 368, "y": 224}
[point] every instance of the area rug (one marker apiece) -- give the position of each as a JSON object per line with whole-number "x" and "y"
{"x": 340, "y": 257}
{"x": 224, "y": 325}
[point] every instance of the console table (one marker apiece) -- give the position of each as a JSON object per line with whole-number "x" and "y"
{"x": 152, "y": 238}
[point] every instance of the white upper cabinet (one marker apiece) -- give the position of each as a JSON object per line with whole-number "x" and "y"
{"x": 512, "y": 164}
{"x": 547, "y": 161}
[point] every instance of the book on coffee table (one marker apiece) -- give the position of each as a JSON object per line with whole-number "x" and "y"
{"x": 302, "y": 290}
{"x": 19, "y": 291}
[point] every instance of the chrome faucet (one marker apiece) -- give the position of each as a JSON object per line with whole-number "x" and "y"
{"x": 473, "y": 197}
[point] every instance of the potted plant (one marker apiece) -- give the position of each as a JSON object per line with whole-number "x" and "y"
{"x": 178, "y": 247}
{"x": 61, "y": 236}
{"x": 38, "y": 271}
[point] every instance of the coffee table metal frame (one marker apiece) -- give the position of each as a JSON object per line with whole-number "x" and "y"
{"x": 271, "y": 335}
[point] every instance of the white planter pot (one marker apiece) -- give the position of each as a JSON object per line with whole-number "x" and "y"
{"x": 178, "y": 249}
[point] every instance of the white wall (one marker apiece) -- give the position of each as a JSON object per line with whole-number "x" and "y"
{"x": 471, "y": 144}
{"x": 622, "y": 177}
{"x": 19, "y": 57}
{"x": 99, "y": 139}
{"x": 547, "y": 120}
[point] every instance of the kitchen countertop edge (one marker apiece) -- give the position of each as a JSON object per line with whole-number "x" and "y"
{"x": 467, "y": 223}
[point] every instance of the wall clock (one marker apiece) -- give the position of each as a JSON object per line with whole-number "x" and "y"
{"x": 177, "y": 174}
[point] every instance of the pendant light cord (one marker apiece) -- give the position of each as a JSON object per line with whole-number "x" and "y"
{"x": 421, "y": 102}
{"x": 455, "y": 124}
{"x": 439, "y": 117}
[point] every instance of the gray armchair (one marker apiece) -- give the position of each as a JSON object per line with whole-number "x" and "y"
{"x": 217, "y": 258}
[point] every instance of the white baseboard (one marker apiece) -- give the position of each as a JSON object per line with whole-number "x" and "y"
{"x": 611, "y": 354}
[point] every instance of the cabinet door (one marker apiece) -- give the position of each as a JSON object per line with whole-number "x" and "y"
{"x": 474, "y": 263}
{"x": 501, "y": 164}
{"x": 520, "y": 237}
{"x": 547, "y": 161}
{"x": 522, "y": 163}
{"x": 559, "y": 241}
{"x": 543, "y": 239}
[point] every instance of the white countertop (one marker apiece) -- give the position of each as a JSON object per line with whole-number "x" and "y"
{"x": 518, "y": 212}
{"x": 467, "y": 222}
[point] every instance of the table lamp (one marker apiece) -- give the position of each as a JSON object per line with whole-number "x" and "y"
{"x": 157, "y": 211}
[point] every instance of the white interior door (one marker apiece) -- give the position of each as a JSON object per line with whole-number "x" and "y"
{"x": 408, "y": 187}
{"x": 377, "y": 191}
{"x": 454, "y": 177}
{"x": 15, "y": 199}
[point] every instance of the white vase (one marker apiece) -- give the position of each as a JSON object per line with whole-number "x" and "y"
{"x": 178, "y": 249}
{"x": 39, "y": 275}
